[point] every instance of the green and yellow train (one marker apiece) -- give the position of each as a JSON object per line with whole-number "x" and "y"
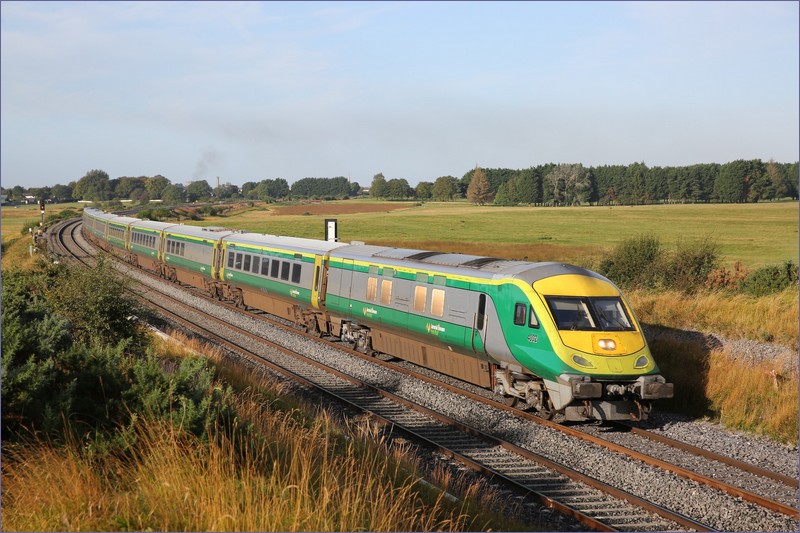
{"x": 559, "y": 338}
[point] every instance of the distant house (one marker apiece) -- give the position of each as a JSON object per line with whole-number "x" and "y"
{"x": 28, "y": 199}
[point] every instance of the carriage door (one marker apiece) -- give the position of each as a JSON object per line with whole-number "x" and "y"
{"x": 340, "y": 278}
{"x": 346, "y": 283}
{"x": 317, "y": 283}
{"x": 479, "y": 326}
{"x": 216, "y": 262}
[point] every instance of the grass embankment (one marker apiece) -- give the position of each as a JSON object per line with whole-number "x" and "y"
{"x": 771, "y": 318}
{"x": 711, "y": 383}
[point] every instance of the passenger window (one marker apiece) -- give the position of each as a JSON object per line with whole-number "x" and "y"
{"x": 231, "y": 255}
{"x": 285, "y": 270}
{"x": 437, "y": 302}
{"x": 265, "y": 267}
{"x": 420, "y": 298}
{"x": 372, "y": 289}
{"x": 256, "y": 265}
{"x": 533, "y": 322}
{"x": 238, "y": 264}
{"x": 247, "y": 263}
{"x": 519, "y": 314}
{"x": 276, "y": 267}
{"x": 295, "y": 273}
{"x": 386, "y": 291}
{"x": 183, "y": 248}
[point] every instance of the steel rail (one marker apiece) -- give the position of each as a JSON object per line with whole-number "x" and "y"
{"x": 730, "y": 461}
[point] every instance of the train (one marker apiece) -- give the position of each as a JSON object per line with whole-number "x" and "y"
{"x": 546, "y": 336}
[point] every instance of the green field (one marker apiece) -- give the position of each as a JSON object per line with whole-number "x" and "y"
{"x": 755, "y": 234}
{"x": 16, "y": 218}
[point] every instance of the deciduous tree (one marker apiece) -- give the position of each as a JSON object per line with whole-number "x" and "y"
{"x": 445, "y": 189}
{"x": 378, "y": 187}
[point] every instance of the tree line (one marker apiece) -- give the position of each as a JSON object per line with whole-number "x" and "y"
{"x": 574, "y": 184}
{"x": 97, "y": 186}
{"x": 550, "y": 184}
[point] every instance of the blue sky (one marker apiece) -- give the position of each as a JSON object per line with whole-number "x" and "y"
{"x": 415, "y": 90}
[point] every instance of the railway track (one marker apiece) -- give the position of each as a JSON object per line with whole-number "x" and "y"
{"x": 567, "y": 490}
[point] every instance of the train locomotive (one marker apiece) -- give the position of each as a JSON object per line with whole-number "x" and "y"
{"x": 554, "y": 337}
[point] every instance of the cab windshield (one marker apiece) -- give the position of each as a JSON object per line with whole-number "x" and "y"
{"x": 589, "y": 314}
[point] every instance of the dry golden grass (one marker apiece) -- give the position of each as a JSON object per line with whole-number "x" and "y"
{"x": 772, "y": 318}
{"x": 753, "y": 398}
{"x": 289, "y": 472}
{"x": 16, "y": 253}
{"x": 291, "y": 482}
{"x": 710, "y": 383}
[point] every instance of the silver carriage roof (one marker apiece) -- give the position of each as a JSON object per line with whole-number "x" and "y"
{"x": 447, "y": 263}
{"x": 473, "y": 265}
{"x": 125, "y": 221}
{"x": 197, "y": 232}
{"x": 296, "y": 244}
{"x": 152, "y": 225}
{"x": 96, "y": 213}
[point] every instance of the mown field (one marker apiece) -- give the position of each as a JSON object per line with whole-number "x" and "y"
{"x": 754, "y": 234}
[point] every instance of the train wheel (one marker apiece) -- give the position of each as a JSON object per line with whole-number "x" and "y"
{"x": 547, "y": 412}
{"x": 510, "y": 401}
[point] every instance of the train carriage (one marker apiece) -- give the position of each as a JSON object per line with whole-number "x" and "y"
{"x": 279, "y": 275}
{"x": 190, "y": 254}
{"x": 96, "y": 223}
{"x": 145, "y": 243}
{"x": 424, "y": 312}
{"x": 117, "y": 232}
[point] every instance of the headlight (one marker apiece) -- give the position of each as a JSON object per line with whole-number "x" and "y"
{"x": 582, "y": 361}
{"x": 641, "y": 362}
{"x": 607, "y": 344}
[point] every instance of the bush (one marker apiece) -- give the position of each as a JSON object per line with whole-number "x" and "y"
{"x": 722, "y": 278}
{"x": 635, "y": 263}
{"x": 74, "y": 362}
{"x": 770, "y": 279}
{"x": 27, "y": 225}
{"x": 96, "y": 304}
{"x": 691, "y": 264}
{"x": 161, "y": 213}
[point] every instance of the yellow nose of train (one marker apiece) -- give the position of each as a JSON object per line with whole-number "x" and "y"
{"x": 598, "y": 331}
